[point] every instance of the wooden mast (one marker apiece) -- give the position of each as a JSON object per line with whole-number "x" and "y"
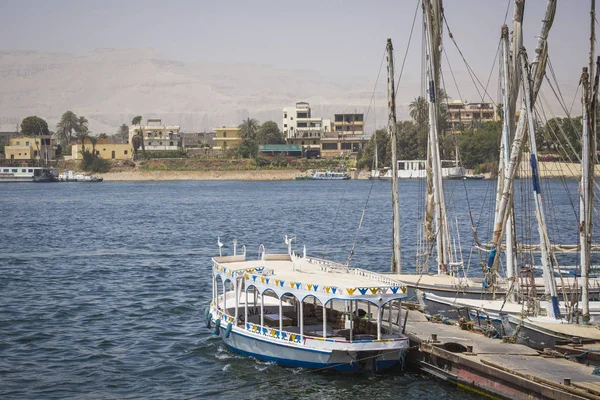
{"x": 396, "y": 264}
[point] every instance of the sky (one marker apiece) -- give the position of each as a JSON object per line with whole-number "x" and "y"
{"x": 332, "y": 37}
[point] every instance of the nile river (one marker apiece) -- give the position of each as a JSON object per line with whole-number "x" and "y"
{"x": 103, "y": 286}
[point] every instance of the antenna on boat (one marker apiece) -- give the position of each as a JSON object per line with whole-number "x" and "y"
{"x": 235, "y": 247}
{"x": 288, "y": 241}
{"x": 220, "y": 245}
{"x": 244, "y": 250}
{"x": 261, "y": 252}
{"x": 304, "y": 252}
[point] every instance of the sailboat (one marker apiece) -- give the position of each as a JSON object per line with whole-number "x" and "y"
{"x": 447, "y": 281}
{"x": 546, "y": 322}
{"x": 308, "y": 312}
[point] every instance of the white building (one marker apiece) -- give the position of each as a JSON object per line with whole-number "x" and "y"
{"x": 158, "y": 136}
{"x": 298, "y": 123}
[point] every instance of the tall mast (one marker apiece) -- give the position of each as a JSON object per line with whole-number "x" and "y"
{"x": 538, "y": 69}
{"x": 585, "y": 197}
{"x": 396, "y": 265}
{"x": 433, "y": 16}
{"x": 588, "y": 139}
{"x": 504, "y": 158}
{"x": 553, "y": 311}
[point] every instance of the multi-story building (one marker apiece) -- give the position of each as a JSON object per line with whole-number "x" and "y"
{"x": 227, "y": 137}
{"x": 301, "y": 128}
{"x": 31, "y": 148}
{"x": 349, "y": 124}
{"x": 157, "y": 136}
{"x": 461, "y": 115}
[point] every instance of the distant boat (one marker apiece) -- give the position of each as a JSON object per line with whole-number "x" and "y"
{"x": 416, "y": 169}
{"x": 28, "y": 174}
{"x": 70, "y": 176}
{"x": 329, "y": 175}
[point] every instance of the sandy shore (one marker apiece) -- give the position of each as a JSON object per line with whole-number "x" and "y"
{"x": 547, "y": 170}
{"x": 252, "y": 175}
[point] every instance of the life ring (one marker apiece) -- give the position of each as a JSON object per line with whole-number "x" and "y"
{"x": 217, "y": 326}
{"x": 228, "y": 329}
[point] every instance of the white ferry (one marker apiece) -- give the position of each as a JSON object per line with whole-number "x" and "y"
{"x": 329, "y": 175}
{"x": 306, "y": 312}
{"x": 417, "y": 169}
{"x": 70, "y": 176}
{"x": 28, "y": 174}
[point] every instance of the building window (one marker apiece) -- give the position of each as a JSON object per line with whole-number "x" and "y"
{"x": 292, "y": 118}
{"x": 284, "y": 115}
{"x": 23, "y": 170}
{"x": 15, "y": 170}
{"x": 26, "y": 143}
{"x": 285, "y": 125}
{"x": 19, "y": 153}
{"x": 346, "y": 146}
{"x": 35, "y": 153}
{"x": 18, "y": 143}
{"x": 125, "y": 152}
{"x": 314, "y": 142}
{"x": 160, "y": 143}
{"x": 330, "y": 146}
{"x": 5, "y": 170}
{"x": 149, "y": 143}
{"x": 170, "y": 143}
{"x": 224, "y": 134}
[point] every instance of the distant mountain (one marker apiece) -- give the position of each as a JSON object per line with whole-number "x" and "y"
{"x": 111, "y": 86}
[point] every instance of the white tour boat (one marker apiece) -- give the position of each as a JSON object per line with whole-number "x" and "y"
{"x": 329, "y": 175}
{"x": 27, "y": 174}
{"x": 306, "y": 312}
{"x": 70, "y": 176}
{"x": 417, "y": 169}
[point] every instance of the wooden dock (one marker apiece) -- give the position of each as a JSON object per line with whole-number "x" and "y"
{"x": 495, "y": 368}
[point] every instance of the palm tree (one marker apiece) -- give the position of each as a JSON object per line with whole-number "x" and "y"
{"x": 138, "y": 121}
{"x": 82, "y": 125}
{"x": 68, "y": 124}
{"x": 249, "y": 128}
{"x": 93, "y": 140}
{"x": 124, "y": 133}
{"x": 419, "y": 111}
{"x": 81, "y": 138}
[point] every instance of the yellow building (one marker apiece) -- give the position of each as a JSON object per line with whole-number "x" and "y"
{"x": 105, "y": 150}
{"x": 227, "y": 137}
{"x": 349, "y": 124}
{"x": 31, "y": 148}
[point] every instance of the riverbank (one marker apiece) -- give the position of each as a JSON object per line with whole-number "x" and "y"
{"x": 245, "y": 175}
{"x": 185, "y": 170}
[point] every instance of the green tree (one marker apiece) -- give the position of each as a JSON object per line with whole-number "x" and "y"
{"x": 140, "y": 132}
{"x": 247, "y": 149}
{"x": 81, "y": 138}
{"x": 381, "y": 139}
{"x": 82, "y": 125}
{"x": 34, "y": 126}
{"x": 269, "y": 133}
{"x": 561, "y": 135}
{"x": 408, "y": 147}
{"x": 103, "y": 136}
{"x": 93, "y": 140}
{"x": 68, "y": 124}
{"x": 480, "y": 145}
{"x": 249, "y": 128}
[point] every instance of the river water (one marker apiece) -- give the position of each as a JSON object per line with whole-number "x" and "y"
{"x": 103, "y": 286}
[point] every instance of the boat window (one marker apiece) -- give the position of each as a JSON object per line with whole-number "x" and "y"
{"x": 160, "y": 143}
{"x": 170, "y": 143}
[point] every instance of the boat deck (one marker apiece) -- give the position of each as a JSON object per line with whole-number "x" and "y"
{"x": 312, "y": 272}
{"x": 509, "y": 370}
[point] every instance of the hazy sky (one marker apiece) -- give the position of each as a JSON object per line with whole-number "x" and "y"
{"x": 331, "y": 37}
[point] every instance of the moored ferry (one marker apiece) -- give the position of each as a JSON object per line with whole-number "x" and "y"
{"x": 28, "y": 174}
{"x": 307, "y": 312}
{"x": 329, "y": 175}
